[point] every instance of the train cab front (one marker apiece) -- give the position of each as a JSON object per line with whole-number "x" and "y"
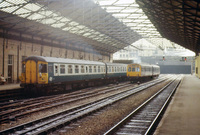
{"x": 133, "y": 72}
{"x": 34, "y": 73}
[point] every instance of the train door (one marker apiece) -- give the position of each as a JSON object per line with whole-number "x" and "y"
{"x": 31, "y": 71}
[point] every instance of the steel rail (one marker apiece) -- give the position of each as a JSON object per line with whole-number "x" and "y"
{"x": 13, "y": 114}
{"x": 47, "y": 123}
{"x": 135, "y": 122}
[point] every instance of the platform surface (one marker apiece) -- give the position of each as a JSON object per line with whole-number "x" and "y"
{"x": 182, "y": 116}
{"x": 10, "y": 86}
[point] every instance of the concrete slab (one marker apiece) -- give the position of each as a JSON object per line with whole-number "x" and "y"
{"x": 10, "y": 86}
{"x": 182, "y": 116}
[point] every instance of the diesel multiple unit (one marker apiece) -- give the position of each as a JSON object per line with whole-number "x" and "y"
{"x": 139, "y": 72}
{"x": 48, "y": 72}
{"x": 40, "y": 71}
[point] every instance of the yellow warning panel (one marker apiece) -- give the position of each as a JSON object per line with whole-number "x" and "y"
{"x": 31, "y": 72}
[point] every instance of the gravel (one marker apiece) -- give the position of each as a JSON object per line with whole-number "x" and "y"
{"x": 99, "y": 124}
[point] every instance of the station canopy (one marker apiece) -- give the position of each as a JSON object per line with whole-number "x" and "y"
{"x": 105, "y": 25}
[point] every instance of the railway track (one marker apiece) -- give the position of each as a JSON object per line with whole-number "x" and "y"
{"x": 143, "y": 120}
{"x": 51, "y": 122}
{"x": 25, "y": 107}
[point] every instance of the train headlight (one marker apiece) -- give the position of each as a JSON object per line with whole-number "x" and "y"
{"x": 40, "y": 74}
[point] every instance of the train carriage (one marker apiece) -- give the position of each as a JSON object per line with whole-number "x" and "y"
{"x": 39, "y": 71}
{"x": 142, "y": 72}
{"x": 116, "y": 71}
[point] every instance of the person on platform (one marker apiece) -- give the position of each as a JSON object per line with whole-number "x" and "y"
{"x": 2, "y": 80}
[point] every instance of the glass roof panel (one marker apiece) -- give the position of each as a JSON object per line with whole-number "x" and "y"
{"x": 21, "y": 11}
{"x": 17, "y": 1}
{"x": 128, "y": 13}
{"x": 56, "y": 25}
{"x": 36, "y": 16}
{"x": 34, "y": 11}
{"x": 10, "y": 9}
{"x": 4, "y": 4}
{"x": 33, "y": 7}
{"x": 49, "y": 21}
{"x": 125, "y": 2}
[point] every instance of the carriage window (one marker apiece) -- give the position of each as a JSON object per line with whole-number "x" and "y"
{"x": 76, "y": 69}
{"x": 109, "y": 69}
{"x": 70, "y": 69}
{"x": 95, "y": 69}
{"x": 90, "y": 69}
{"x": 99, "y": 69}
{"x": 102, "y": 69}
{"x": 56, "y": 69}
{"x": 82, "y": 69}
{"x": 129, "y": 69}
{"x": 113, "y": 69}
{"x": 42, "y": 68}
{"x": 23, "y": 68}
{"x": 62, "y": 69}
{"x": 86, "y": 69}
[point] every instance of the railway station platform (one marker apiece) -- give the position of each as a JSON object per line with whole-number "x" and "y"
{"x": 10, "y": 86}
{"x": 182, "y": 116}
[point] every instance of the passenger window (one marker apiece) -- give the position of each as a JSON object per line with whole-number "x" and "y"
{"x": 82, "y": 69}
{"x": 76, "y": 69}
{"x": 56, "y": 69}
{"x": 86, "y": 69}
{"x": 129, "y": 69}
{"x": 112, "y": 69}
{"x": 102, "y": 69}
{"x": 70, "y": 69}
{"x": 99, "y": 69}
{"x": 62, "y": 69}
{"x": 90, "y": 69}
{"x": 133, "y": 69}
{"x": 42, "y": 68}
{"x": 109, "y": 69}
{"x": 95, "y": 69}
